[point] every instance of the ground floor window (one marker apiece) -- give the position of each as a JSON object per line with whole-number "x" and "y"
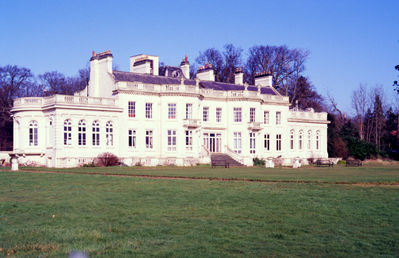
{"x": 278, "y": 142}
{"x": 267, "y": 142}
{"x": 189, "y": 140}
{"x": 67, "y": 132}
{"x": 132, "y": 138}
{"x": 292, "y": 139}
{"x": 96, "y": 133}
{"x": 148, "y": 139}
{"x": 171, "y": 140}
{"x": 237, "y": 142}
{"x": 317, "y": 140}
{"x": 82, "y": 132}
{"x": 33, "y": 129}
{"x": 252, "y": 143}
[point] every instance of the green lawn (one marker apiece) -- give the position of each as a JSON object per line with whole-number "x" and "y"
{"x": 127, "y": 216}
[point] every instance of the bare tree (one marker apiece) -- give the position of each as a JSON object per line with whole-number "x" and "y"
{"x": 360, "y": 102}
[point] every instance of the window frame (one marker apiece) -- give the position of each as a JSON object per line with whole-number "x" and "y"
{"x": 67, "y": 132}
{"x": 237, "y": 114}
{"x": 33, "y": 133}
{"x": 82, "y": 129}
{"x": 131, "y": 107}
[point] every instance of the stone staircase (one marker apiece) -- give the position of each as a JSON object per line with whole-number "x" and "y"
{"x": 224, "y": 158}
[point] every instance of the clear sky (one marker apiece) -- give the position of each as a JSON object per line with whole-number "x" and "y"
{"x": 350, "y": 42}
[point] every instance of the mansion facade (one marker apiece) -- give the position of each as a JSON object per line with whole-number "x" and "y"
{"x": 155, "y": 115}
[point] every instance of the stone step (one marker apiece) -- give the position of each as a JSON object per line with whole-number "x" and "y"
{"x": 232, "y": 162}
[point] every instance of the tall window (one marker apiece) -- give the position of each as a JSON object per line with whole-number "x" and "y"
{"x": 148, "y": 139}
{"x": 148, "y": 110}
{"x": 96, "y": 133}
{"x": 237, "y": 114}
{"x": 266, "y": 117}
{"x": 67, "y": 132}
{"x": 300, "y": 139}
{"x": 237, "y": 142}
{"x": 205, "y": 114}
{"x": 317, "y": 140}
{"x": 278, "y": 142}
{"x": 278, "y": 118}
{"x": 292, "y": 139}
{"x": 267, "y": 142}
{"x": 309, "y": 140}
{"x": 109, "y": 134}
{"x": 218, "y": 115}
{"x": 131, "y": 108}
{"x": 82, "y": 132}
{"x": 251, "y": 114}
{"x": 189, "y": 111}
{"x": 132, "y": 138}
{"x": 171, "y": 140}
{"x": 172, "y": 110}
{"x": 189, "y": 140}
{"x": 33, "y": 130}
{"x": 252, "y": 143}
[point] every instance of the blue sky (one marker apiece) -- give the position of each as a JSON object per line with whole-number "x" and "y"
{"x": 350, "y": 42}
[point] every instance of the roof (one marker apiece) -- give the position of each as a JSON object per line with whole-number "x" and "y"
{"x": 153, "y": 79}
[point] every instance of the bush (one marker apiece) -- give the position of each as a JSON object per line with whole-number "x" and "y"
{"x": 107, "y": 159}
{"x": 341, "y": 162}
{"x": 89, "y": 165}
{"x": 258, "y": 162}
{"x": 360, "y": 149}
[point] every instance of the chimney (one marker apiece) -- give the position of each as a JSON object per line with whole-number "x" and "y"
{"x": 100, "y": 67}
{"x": 205, "y": 73}
{"x": 264, "y": 79}
{"x": 238, "y": 76}
{"x": 185, "y": 67}
{"x": 146, "y": 64}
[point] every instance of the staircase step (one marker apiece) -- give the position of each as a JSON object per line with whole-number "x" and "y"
{"x": 232, "y": 162}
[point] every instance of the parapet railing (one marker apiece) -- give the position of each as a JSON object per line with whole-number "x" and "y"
{"x": 310, "y": 115}
{"x": 63, "y": 99}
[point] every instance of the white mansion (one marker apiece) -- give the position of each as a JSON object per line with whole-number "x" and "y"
{"x": 157, "y": 116}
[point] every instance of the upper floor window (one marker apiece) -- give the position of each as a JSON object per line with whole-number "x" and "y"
{"x": 171, "y": 140}
{"x": 218, "y": 114}
{"x": 266, "y": 117}
{"x": 82, "y": 132}
{"x": 251, "y": 114}
{"x": 131, "y": 108}
{"x": 109, "y": 133}
{"x": 132, "y": 138}
{"x": 278, "y": 118}
{"x": 96, "y": 133}
{"x": 33, "y": 136}
{"x": 278, "y": 142}
{"x": 67, "y": 132}
{"x": 172, "y": 111}
{"x": 189, "y": 111}
{"x": 148, "y": 110}
{"x": 267, "y": 142}
{"x": 292, "y": 139}
{"x": 237, "y": 114}
{"x": 205, "y": 114}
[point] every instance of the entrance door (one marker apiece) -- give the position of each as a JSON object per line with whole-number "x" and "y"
{"x": 213, "y": 142}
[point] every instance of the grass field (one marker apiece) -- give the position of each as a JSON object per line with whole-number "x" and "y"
{"x": 53, "y": 214}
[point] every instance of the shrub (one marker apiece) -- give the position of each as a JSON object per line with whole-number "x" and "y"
{"x": 89, "y": 165}
{"x": 258, "y": 162}
{"x": 341, "y": 162}
{"x": 107, "y": 159}
{"x": 361, "y": 149}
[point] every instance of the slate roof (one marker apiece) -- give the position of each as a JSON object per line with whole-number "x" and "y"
{"x": 152, "y": 79}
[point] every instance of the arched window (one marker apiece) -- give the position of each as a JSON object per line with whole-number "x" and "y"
{"x": 82, "y": 132}
{"x": 292, "y": 139}
{"x": 96, "y": 133}
{"x": 309, "y": 140}
{"x": 67, "y": 132}
{"x": 109, "y": 134}
{"x": 33, "y": 130}
{"x": 300, "y": 139}
{"x": 317, "y": 140}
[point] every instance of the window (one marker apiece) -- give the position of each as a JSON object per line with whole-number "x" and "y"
{"x": 218, "y": 115}
{"x": 237, "y": 114}
{"x": 109, "y": 134}
{"x": 292, "y": 139}
{"x": 148, "y": 110}
{"x": 237, "y": 142}
{"x": 205, "y": 113}
{"x": 171, "y": 140}
{"x": 317, "y": 140}
{"x": 252, "y": 115}
{"x": 278, "y": 142}
{"x": 148, "y": 139}
{"x": 171, "y": 111}
{"x": 33, "y": 130}
{"x": 189, "y": 111}
{"x": 267, "y": 142}
{"x": 252, "y": 143}
{"x": 132, "y": 138}
{"x": 266, "y": 117}
{"x": 300, "y": 139}
{"x": 309, "y": 140}
{"x": 278, "y": 118}
{"x": 189, "y": 140}
{"x": 67, "y": 132}
{"x": 96, "y": 133}
{"x": 82, "y": 132}
{"x": 131, "y": 108}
